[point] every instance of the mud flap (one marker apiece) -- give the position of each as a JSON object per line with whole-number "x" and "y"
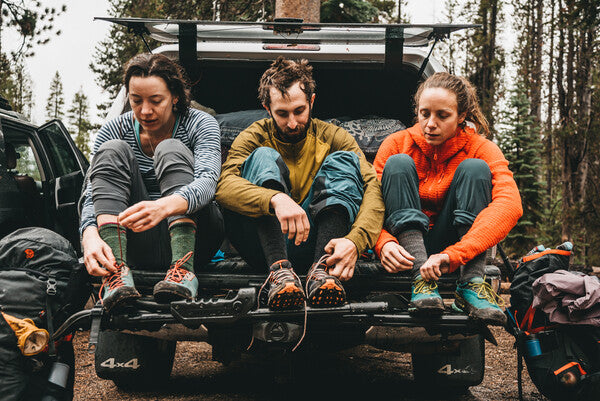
{"x": 458, "y": 370}
{"x": 130, "y": 360}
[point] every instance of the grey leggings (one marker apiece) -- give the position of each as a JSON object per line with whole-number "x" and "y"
{"x": 117, "y": 183}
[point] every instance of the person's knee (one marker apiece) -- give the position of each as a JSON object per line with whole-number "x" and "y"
{"x": 114, "y": 146}
{"x": 474, "y": 169}
{"x": 264, "y": 152}
{"x": 342, "y": 161}
{"x": 399, "y": 164}
{"x": 169, "y": 146}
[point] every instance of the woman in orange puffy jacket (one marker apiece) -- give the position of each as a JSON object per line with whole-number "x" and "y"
{"x": 449, "y": 197}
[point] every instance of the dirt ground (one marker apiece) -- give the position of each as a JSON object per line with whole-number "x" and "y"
{"x": 361, "y": 373}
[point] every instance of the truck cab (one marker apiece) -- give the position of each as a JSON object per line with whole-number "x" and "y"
{"x": 41, "y": 174}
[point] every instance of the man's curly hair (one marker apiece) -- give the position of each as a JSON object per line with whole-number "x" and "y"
{"x": 282, "y": 74}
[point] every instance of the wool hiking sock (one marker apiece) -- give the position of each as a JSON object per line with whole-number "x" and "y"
{"x": 271, "y": 239}
{"x": 115, "y": 236}
{"x": 330, "y": 223}
{"x": 412, "y": 241}
{"x": 474, "y": 267}
{"x": 183, "y": 241}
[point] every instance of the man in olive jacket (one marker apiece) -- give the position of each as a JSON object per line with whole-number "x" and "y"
{"x": 295, "y": 176}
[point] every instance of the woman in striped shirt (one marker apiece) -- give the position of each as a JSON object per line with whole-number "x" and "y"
{"x": 149, "y": 203}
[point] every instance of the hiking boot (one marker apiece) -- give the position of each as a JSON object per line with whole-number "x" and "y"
{"x": 283, "y": 287}
{"x": 477, "y": 299}
{"x": 323, "y": 290}
{"x": 178, "y": 284}
{"x": 425, "y": 298}
{"x": 118, "y": 288}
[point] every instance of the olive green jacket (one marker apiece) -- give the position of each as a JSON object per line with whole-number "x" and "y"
{"x": 303, "y": 160}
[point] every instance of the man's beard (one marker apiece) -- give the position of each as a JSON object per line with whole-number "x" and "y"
{"x": 285, "y": 136}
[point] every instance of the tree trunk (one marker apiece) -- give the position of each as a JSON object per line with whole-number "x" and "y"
{"x": 308, "y": 10}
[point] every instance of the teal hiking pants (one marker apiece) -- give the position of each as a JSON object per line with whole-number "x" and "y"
{"x": 470, "y": 192}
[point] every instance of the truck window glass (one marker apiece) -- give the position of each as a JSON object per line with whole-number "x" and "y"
{"x": 62, "y": 158}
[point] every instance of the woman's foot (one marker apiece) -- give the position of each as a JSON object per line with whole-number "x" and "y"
{"x": 477, "y": 299}
{"x": 118, "y": 288}
{"x": 425, "y": 298}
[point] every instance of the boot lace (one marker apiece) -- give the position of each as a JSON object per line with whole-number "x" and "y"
{"x": 176, "y": 273}
{"x": 485, "y": 291}
{"x": 112, "y": 281}
{"x": 319, "y": 271}
{"x": 423, "y": 286}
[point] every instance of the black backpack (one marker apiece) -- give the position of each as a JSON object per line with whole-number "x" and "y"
{"x": 40, "y": 279}
{"x": 563, "y": 361}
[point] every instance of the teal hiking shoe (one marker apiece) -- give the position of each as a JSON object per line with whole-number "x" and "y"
{"x": 425, "y": 298}
{"x": 178, "y": 284}
{"x": 118, "y": 288}
{"x": 478, "y": 300}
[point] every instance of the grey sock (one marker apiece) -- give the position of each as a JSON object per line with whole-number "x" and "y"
{"x": 412, "y": 241}
{"x": 476, "y": 266}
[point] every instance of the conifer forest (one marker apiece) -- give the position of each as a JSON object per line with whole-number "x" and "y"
{"x": 535, "y": 64}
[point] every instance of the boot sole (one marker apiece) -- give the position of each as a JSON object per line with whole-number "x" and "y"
{"x": 432, "y": 308}
{"x": 121, "y": 297}
{"x": 165, "y": 293}
{"x": 288, "y": 297}
{"x": 490, "y": 317}
{"x": 329, "y": 294}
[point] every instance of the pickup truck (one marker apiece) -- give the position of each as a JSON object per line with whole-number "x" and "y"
{"x": 366, "y": 77}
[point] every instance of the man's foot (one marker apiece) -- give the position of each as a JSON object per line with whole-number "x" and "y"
{"x": 477, "y": 299}
{"x": 425, "y": 298}
{"x": 178, "y": 284}
{"x": 118, "y": 288}
{"x": 322, "y": 289}
{"x": 284, "y": 288}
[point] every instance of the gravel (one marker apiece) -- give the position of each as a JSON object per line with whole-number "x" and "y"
{"x": 359, "y": 373}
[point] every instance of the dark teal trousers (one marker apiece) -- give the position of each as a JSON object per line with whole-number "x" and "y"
{"x": 470, "y": 192}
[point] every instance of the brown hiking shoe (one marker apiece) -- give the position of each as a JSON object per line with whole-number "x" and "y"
{"x": 284, "y": 288}
{"x": 323, "y": 289}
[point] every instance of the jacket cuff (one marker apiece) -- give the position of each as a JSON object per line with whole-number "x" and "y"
{"x": 454, "y": 263}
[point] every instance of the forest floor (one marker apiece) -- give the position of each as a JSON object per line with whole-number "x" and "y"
{"x": 360, "y": 373}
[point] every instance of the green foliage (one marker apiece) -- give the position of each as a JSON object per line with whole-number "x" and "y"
{"x": 357, "y": 11}
{"x": 33, "y": 22}
{"x": 56, "y": 99}
{"x": 79, "y": 120}
{"x": 521, "y": 144}
{"x": 16, "y": 86}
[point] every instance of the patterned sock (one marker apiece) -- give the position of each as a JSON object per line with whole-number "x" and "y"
{"x": 115, "y": 236}
{"x": 183, "y": 241}
{"x": 412, "y": 241}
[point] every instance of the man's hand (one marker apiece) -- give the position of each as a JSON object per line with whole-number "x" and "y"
{"x": 395, "y": 258}
{"x": 96, "y": 252}
{"x": 292, "y": 218}
{"x": 343, "y": 257}
{"x": 435, "y": 266}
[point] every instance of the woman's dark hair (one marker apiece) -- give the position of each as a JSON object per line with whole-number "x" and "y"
{"x": 146, "y": 64}
{"x": 466, "y": 98}
{"x": 282, "y": 74}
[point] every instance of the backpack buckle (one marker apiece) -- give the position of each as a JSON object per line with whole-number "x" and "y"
{"x": 51, "y": 286}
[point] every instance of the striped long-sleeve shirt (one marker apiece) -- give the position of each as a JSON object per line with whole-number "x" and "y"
{"x": 197, "y": 130}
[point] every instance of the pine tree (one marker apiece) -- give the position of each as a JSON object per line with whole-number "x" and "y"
{"x": 521, "y": 145}
{"x": 56, "y": 99}
{"x": 79, "y": 119}
{"x": 357, "y": 11}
